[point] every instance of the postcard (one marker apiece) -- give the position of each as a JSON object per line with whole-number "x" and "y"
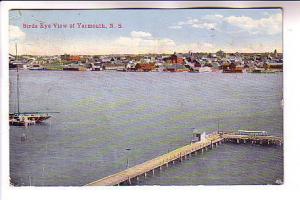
{"x": 113, "y": 97}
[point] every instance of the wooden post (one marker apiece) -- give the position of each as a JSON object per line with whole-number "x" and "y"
{"x": 153, "y": 172}
{"x": 237, "y": 141}
{"x": 129, "y": 181}
{"x": 145, "y": 174}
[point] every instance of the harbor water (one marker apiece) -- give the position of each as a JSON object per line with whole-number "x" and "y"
{"x": 101, "y": 114}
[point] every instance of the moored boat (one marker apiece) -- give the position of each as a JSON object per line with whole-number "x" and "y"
{"x": 25, "y": 118}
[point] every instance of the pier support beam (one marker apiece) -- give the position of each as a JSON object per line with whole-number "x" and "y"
{"x": 244, "y": 141}
{"x": 153, "y": 172}
{"x": 129, "y": 181}
{"x": 145, "y": 174}
{"x": 237, "y": 141}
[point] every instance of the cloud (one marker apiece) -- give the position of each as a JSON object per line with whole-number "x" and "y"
{"x": 270, "y": 25}
{"x": 142, "y": 42}
{"x": 213, "y": 17}
{"x": 175, "y": 27}
{"x": 205, "y": 25}
{"x": 196, "y": 23}
{"x": 15, "y": 33}
{"x": 140, "y": 34}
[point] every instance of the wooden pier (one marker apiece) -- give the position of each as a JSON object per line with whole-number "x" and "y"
{"x": 149, "y": 167}
{"x": 262, "y": 140}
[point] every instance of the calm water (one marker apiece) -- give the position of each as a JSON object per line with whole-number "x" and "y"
{"x": 103, "y": 113}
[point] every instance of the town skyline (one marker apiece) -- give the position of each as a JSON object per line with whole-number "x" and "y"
{"x": 147, "y": 31}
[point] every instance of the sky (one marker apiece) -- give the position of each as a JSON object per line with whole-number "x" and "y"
{"x": 146, "y": 31}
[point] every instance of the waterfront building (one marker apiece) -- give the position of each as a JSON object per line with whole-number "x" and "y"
{"x": 145, "y": 67}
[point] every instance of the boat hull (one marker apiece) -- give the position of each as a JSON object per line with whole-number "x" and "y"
{"x": 16, "y": 119}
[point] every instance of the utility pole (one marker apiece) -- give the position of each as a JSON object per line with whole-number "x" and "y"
{"x": 127, "y": 161}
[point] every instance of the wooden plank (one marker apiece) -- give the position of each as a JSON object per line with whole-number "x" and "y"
{"x": 147, "y": 166}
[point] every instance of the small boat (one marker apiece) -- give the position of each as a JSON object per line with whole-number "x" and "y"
{"x": 25, "y": 119}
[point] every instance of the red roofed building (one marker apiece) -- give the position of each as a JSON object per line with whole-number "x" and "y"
{"x": 145, "y": 67}
{"x": 74, "y": 58}
{"x": 177, "y": 59}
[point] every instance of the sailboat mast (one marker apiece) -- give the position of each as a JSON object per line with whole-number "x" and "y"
{"x": 18, "y": 89}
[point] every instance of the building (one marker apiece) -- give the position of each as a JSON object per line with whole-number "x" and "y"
{"x": 145, "y": 67}
{"x": 231, "y": 68}
{"x": 274, "y": 66}
{"x": 175, "y": 68}
{"x": 65, "y": 57}
{"x": 74, "y": 58}
{"x": 177, "y": 59}
{"x": 114, "y": 66}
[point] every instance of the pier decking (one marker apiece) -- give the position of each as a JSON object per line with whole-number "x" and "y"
{"x": 180, "y": 154}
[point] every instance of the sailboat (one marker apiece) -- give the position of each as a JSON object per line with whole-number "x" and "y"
{"x": 26, "y": 118}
